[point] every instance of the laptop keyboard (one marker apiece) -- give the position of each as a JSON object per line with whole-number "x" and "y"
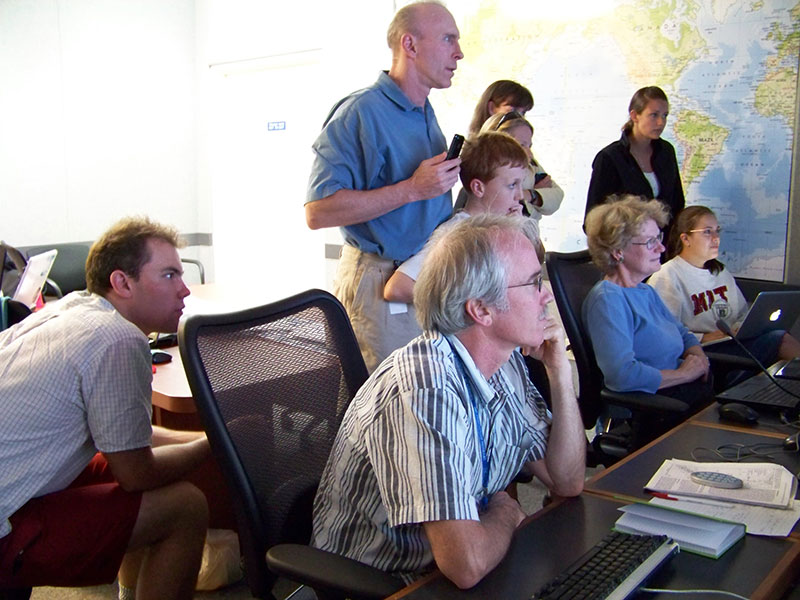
{"x": 761, "y": 393}
{"x": 775, "y": 396}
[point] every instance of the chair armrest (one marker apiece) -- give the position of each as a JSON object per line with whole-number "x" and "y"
{"x": 55, "y": 287}
{"x": 199, "y": 266}
{"x": 331, "y": 573}
{"x": 644, "y": 402}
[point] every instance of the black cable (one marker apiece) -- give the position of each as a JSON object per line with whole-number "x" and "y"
{"x": 725, "y": 328}
{"x": 742, "y": 452}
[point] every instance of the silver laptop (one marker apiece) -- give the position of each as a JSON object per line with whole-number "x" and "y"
{"x": 770, "y": 311}
{"x": 34, "y": 277}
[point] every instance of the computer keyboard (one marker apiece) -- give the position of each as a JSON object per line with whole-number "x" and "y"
{"x": 613, "y": 569}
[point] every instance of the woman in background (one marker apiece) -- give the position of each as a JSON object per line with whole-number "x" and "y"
{"x": 639, "y": 344}
{"x": 698, "y": 289}
{"x": 542, "y": 196}
{"x": 640, "y": 162}
{"x": 500, "y": 97}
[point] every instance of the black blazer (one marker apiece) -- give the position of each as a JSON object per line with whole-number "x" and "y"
{"x": 615, "y": 171}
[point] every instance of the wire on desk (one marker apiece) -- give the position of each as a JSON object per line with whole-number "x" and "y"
{"x": 794, "y": 424}
{"x": 741, "y": 452}
{"x": 716, "y": 592}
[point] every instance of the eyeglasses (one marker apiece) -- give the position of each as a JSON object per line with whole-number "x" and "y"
{"x": 707, "y": 232}
{"x": 537, "y": 281}
{"x": 511, "y": 115}
{"x": 652, "y": 243}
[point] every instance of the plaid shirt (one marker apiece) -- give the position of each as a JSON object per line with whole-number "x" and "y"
{"x": 75, "y": 378}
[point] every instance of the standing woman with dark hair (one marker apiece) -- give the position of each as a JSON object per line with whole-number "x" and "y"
{"x": 640, "y": 162}
{"x": 500, "y": 97}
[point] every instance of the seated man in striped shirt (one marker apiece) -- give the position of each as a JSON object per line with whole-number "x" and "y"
{"x": 417, "y": 474}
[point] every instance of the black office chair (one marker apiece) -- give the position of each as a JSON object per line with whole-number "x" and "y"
{"x": 572, "y": 275}
{"x": 271, "y": 385}
{"x": 15, "y": 594}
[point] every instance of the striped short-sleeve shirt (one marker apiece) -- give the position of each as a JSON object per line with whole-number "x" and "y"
{"x": 408, "y": 452}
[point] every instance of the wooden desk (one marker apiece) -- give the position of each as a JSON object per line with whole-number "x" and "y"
{"x": 549, "y": 541}
{"x": 173, "y": 405}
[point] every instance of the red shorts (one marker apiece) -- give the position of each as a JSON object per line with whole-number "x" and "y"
{"x": 75, "y": 537}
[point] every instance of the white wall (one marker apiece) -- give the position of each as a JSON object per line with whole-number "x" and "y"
{"x": 113, "y": 107}
{"x": 282, "y": 64}
{"x": 97, "y": 117}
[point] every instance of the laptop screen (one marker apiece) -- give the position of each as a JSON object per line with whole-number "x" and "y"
{"x": 34, "y": 277}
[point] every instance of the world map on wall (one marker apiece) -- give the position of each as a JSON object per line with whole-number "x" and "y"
{"x": 729, "y": 69}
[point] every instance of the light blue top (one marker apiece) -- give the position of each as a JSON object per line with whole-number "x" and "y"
{"x": 634, "y": 336}
{"x": 373, "y": 138}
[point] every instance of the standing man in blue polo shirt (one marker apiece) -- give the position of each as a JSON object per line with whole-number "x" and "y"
{"x": 380, "y": 174}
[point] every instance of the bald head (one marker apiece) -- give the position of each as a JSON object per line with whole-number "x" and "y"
{"x": 408, "y": 19}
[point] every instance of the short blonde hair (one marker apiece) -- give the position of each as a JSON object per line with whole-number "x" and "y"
{"x": 509, "y": 121}
{"x": 612, "y": 226}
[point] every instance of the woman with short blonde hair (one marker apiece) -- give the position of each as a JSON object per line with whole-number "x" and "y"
{"x": 638, "y": 343}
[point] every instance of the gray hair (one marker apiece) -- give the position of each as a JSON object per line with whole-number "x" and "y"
{"x": 464, "y": 263}
{"x": 405, "y": 21}
{"x": 612, "y": 226}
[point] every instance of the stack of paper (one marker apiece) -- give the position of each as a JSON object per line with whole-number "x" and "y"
{"x": 765, "y": 504}
{"x": 765, "y": 484}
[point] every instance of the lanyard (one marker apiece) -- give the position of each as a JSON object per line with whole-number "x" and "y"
{"x": 484, "y": 501}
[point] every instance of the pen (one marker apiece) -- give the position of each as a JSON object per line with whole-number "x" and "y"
{"x": 662, "y": 495}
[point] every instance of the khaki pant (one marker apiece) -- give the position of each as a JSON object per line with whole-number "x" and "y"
{"x": 359, "y": 282}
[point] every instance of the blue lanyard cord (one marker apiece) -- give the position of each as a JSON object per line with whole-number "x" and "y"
{"x": 484, "y": 501}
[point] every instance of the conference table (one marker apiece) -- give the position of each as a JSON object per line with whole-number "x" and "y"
{"x": 173, "y": 405}
{"x": 691, "y": 440}
{"x": 547, "y": 542}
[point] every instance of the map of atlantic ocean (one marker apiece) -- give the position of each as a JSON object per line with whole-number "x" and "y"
{"x": 729, "y": 69}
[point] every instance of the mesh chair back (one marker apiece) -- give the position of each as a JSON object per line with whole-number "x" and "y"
{"x": 572, "y": 275}
{"x": 271, "y": 386}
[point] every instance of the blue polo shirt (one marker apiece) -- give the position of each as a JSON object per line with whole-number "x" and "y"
{"x": 373, "y": 138}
